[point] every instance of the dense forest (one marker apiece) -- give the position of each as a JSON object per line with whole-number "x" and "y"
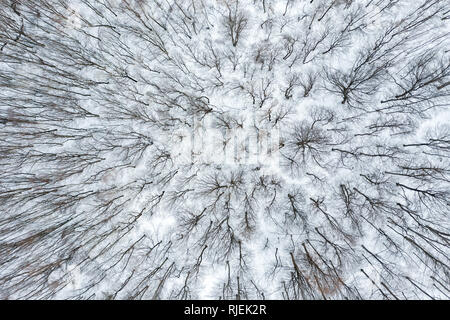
{"x": 224, "y": 149}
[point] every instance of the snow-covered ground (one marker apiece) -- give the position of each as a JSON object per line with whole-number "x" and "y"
{"x": 251, "y": 149}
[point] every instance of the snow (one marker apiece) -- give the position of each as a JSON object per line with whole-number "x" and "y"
{"x": 159, "y": 161}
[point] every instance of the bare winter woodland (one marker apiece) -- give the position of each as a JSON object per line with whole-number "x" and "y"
{"x": 224, "y": 149}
